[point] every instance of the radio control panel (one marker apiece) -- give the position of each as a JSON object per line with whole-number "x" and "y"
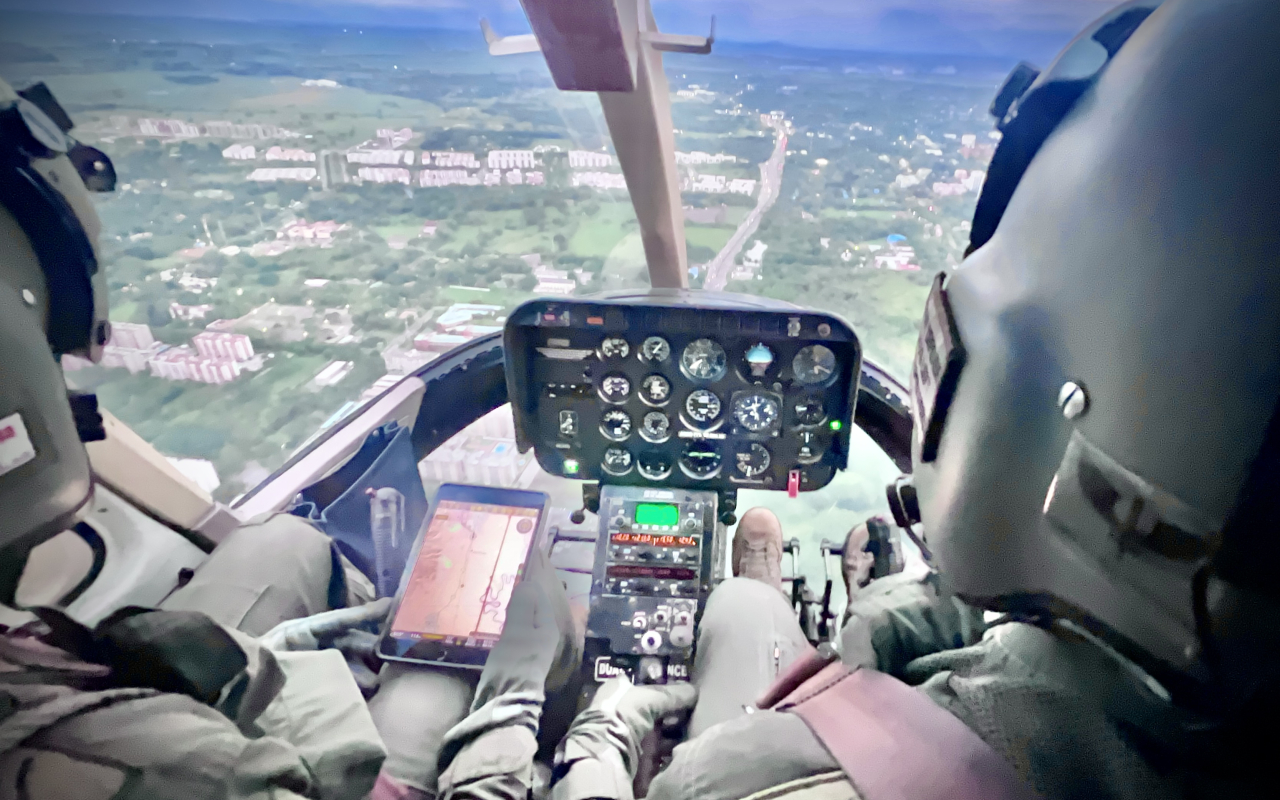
{"x": 654, "y": 568}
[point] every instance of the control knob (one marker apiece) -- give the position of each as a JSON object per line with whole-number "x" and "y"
{"x": 651, "y": 642}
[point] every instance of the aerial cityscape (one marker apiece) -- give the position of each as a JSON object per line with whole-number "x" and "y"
{"x": 305, "y": 214}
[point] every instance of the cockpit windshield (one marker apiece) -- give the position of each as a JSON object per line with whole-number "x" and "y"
{"x": 309, "y": 210}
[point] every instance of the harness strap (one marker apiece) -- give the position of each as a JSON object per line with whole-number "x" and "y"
{"x": 892, "y": 741}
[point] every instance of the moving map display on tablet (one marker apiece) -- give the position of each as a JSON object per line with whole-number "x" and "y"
{"x": 469, "y": 560}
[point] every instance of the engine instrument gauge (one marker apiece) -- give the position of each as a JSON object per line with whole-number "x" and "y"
{"x": 700, "y": 460}
{"x": 654, "y": 465}
{"x": 756, "y": 412}
{"x": 615, "y": 424}
{"x": 655, "y": 350}
{"x": 615, "y": 388}
{"x": 814, "y": 364}
{"x": 614, "y": 347}
{"x": 702, "y": 406}
{"x": 809, "y": 411}
{"x": 655, "y": 390}
{"x": 655, "y": 427}
{"x": 616, "y": 461}
{"x": 704, "y": 360}
{"x": 751, "y": 459}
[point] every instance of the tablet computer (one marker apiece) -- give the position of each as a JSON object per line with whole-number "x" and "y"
{"x": 452, "y": 601}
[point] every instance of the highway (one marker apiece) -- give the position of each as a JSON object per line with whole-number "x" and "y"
{"x": 718, "y": 268}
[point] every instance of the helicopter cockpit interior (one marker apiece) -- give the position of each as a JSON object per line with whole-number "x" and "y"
{"x": 690, "y": 403}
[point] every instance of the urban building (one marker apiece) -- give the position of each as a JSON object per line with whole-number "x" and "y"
{"x": 452, "y": 159}
{"x": 699, "y": 157}
{"x": 898, "y": 257}
{"x": 278, "y": 153}
{"x": 447, "y": 177}
{"x": 188, "y": 313}
{"x": 395, "y": 138}
{"x": 184, "y": 364}
{"x": 483, "y": 453}
{"x": 534, "y": 178}
{"x": 283, "y": 174}
{"x": 233, "y": 346}
{"x": 131, "y": 335}
{"x": 510, "y": 159}
{"x": 168, "y": 128}
{"x": 333, "y": 170}
{"x": 240, "y": 152}
{"x": 332, "y": 373}
{"x": 588, "y": 159}
{"x": 754, "y": 257}
{"x": 492, "y": 177}
{"x": 514, "y": 177}
{"x": 231, "y": 130}
{"x": 311, "y": 233}
{"x": 385, "y": 175}
{"x": 375, "y": 157}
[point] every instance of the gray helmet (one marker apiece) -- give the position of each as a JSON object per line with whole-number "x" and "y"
{"x": 51, "y": 302}
{"x": 1096, "y": 387}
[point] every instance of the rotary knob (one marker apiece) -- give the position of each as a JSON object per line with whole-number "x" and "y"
{"x": 651, "y": 642}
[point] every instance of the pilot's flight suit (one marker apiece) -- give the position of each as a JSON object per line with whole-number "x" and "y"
{"x": 295, "y": 725}
{"x": 1075, "y": 719}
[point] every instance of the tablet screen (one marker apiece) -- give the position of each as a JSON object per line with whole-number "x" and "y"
{"x": 469, "y": 561}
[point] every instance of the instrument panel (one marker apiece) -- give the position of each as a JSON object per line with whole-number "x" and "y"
{"x": 649, "y": 391}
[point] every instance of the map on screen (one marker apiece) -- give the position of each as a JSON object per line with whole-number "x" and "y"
{"x": 466, "y": 568}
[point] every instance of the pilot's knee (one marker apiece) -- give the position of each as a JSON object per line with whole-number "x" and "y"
{"x": 738, "y": 598}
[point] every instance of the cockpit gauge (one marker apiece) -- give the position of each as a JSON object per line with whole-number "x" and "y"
{"x": 616, "y": 461}
{"x": 655, "y": 427}
{"x": 756, "y": 412}
{"x": 700, "y": 460}
{"x": 614, "y": 347}
{"x": 704, "y": 360}
{"x": 615, "y": 388}
{"x": 655, "y": 390}
{"x": 751, "y": 459}
{"x": 759, "y": 358}
{"x": 655, "y": 350}
{"x": 615, "y": 424}
{"x": 702, "y": 406}
{"x": 809, "y": 411}
{"x": 653, "y": 464}
{"x": 814, "y": 364}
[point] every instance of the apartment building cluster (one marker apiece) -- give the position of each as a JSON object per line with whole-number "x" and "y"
{"x": 181, "y": 129}
{"x": 965, "y": 181}
{"x": 211, "y": 357}
{"x": 717, "y": 184}
{"x": 699, "y": 157}
{"x": 319, "y": 233}
{"x": 589, "y": 159}
{"x": 459, "y": 324}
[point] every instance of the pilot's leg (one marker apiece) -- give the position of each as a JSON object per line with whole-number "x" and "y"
{"x": 749, "y": 634}
{"x": 266, "y": 573}
{"x": 414, "y": 708}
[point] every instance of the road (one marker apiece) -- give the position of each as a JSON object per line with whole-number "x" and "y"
{"x": 718, "y": 268}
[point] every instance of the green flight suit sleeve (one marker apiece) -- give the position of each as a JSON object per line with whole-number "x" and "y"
{"x": 899, "y": 618}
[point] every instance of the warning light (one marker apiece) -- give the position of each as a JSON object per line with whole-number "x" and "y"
{"x": 836, "y": 424}
{"x": 571, "y": 466}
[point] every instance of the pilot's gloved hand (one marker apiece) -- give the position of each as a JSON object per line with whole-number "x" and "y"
{"x": 599, "y": 755}
{"x": 490, "y": 753}
{"x": 351, "y": 631}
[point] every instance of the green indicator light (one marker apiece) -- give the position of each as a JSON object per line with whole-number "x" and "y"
{"x": 836, "y": 425}
{"x": 657, "y": 514}
{"x": 571, "y": 466}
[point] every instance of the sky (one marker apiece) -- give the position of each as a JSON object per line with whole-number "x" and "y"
{"x": 1033, "y": 29}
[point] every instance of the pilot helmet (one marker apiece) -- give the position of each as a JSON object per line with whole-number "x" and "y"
{"x": 52, "y": 302}
{"x": 1097, "y": 386}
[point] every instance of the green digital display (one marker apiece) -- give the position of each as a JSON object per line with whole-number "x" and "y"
{"x": 657, "y": 514}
